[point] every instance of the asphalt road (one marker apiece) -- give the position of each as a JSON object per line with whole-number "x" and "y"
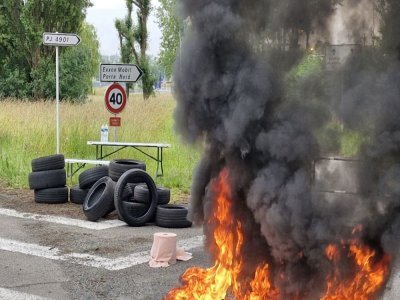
{"x": 51, "y": 260}
{"x": 62, "y": 259}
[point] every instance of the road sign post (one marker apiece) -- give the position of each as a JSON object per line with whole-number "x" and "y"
{"x": 59, "y": 39}
{"x": 115, "y": 100}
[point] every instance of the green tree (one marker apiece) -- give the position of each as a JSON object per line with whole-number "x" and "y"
{"x": 168, "y": 21}
{"x": 133, "y": 41}
{"x": 78, "y": 66}
{"x": 21, "y": 51}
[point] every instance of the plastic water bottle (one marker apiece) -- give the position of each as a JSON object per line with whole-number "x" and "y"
{"x": 102, "y": 133}
{"x": 106, "y": 133}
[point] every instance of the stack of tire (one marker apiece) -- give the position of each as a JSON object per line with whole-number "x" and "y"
{"x": 99, "y": 199}
{"x": 166, "y": 215}
{"x": 86, "y": 180}
{"x": 48, "y": 179}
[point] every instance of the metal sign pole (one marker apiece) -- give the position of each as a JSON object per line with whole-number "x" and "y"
{"x": 57, "y": 102}
{"x": 59, "y": 39}
{"x": 115, "y": 131}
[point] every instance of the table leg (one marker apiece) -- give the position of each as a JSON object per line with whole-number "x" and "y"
{"x": 158, "y": 160}
{"x": 162, "y": 169}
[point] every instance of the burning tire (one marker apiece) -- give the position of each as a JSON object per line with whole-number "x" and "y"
{"x": 99, "y": 200}
{"x": 141, "y": 194}
{"x": 118, "y": 167}
{"x": 51, "y": 162}
{"x": 47, "y": 179}
{"x": 51, "y": 195}
{"x": 123, "y": 209}
{"x": 172, "y": 216}
{"x": 88, "y": 177}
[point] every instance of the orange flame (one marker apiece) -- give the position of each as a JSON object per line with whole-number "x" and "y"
{"x": 224, "y": 280}
{"x": 221, "y": 279}
{"x": 371, "y": 273}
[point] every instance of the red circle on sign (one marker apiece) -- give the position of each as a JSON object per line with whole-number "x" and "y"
{"x": 115, "y": 98}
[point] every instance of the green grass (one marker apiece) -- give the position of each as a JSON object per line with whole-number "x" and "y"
{"x": 27, "y": 131}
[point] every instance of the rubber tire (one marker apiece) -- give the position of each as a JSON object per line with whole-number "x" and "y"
{"x": 47, "y": 179}
{"x": 118, "y": 167}
{"x": 77, "y": 195}
{"x": 172, "y": 216}
{"x": 135, "y": 176}
{"x": 141, "y": 195}
{"x": 51, "y": 195}
{"x": 99, "y": 199}
{"x": 134, "y": 209}
{"x": 88, "y": 177}
{"x": 45, "y": 163}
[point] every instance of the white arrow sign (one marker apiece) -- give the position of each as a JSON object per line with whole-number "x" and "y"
{"x": 60, "y": 39}
{"x": 120, "y": 73}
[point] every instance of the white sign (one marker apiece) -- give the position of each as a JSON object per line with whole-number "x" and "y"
{"x": 337, "y": 55}
{"x": 60, "y": 39}
{"x": 120, "y": 73}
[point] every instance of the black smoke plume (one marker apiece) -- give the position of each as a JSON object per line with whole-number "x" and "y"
{"x": 234, "y": 101}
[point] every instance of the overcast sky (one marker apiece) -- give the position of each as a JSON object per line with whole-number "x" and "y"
{"x": 103, "y": 14}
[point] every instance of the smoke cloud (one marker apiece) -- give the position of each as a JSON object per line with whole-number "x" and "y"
{"x": 237, "y": 104}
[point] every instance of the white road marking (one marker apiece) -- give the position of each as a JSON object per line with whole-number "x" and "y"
{"x": 112, "y": 264}
{"x": 11, "y": 294}
{"x": 104, "y": 224}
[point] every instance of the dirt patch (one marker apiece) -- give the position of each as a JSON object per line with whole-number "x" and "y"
{"x": 22, "y": 200}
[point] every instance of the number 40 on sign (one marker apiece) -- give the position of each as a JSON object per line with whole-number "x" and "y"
{"x": 115, "y": 98}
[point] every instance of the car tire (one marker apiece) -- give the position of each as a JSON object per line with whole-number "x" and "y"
{"x": 88, "y": 177}
{"x": 99, "y": 199}
{"x": 56, "y": 195}
{"x": 134, "y": 209}
{"x": 51, "y": 162}
{"x": 47, "y": 179}
{"x": 135, "y": 176}
{"x": 77, "y": 195}
{"x": 118, "y": 167}
{"x": 172, "y": 216}
{"x": 141, "y": 195}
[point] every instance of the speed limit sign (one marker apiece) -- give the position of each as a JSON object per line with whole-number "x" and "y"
{"x": 115, "y": 98}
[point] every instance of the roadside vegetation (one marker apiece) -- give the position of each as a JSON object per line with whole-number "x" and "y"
{"x": 27, "y": 131}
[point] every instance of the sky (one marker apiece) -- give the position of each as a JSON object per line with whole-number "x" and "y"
{"x": 102, "y": 16}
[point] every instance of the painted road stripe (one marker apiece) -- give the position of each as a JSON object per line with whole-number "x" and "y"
{"x": 112, "y": 264}
{"x": 104, "y": 224}
{"x": 11, "y": 294}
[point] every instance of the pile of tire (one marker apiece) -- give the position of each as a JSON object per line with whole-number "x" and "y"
{"x": 48, "y": 179}
{"x": 125, "y": 186}
{"x": 98, "y": 187}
